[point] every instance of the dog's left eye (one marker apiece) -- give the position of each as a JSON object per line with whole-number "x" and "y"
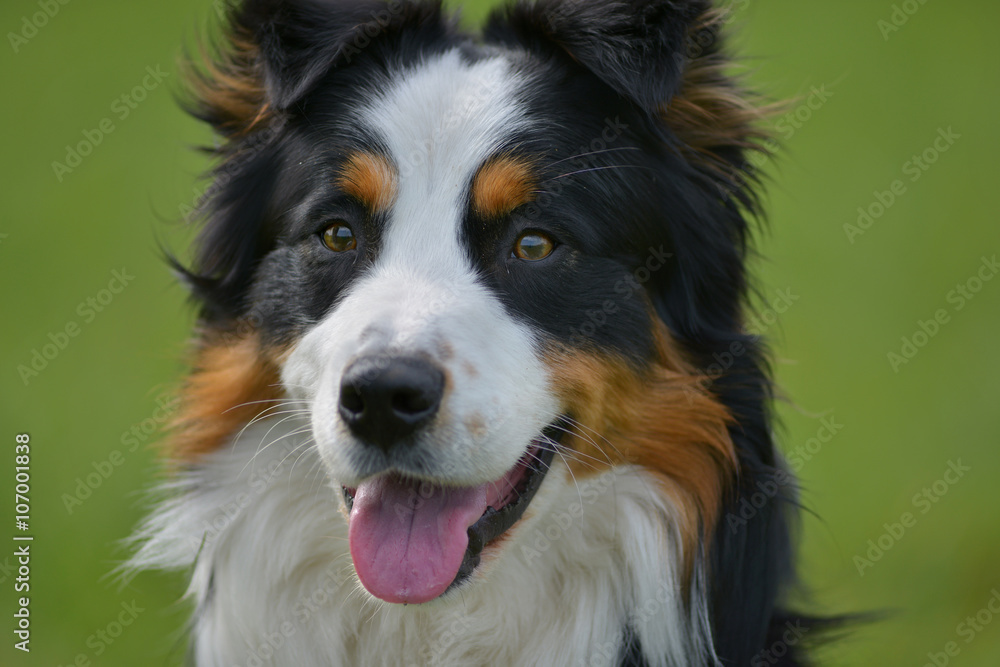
{"x": 532, "y": 246}
{"x": 339, "y": 237}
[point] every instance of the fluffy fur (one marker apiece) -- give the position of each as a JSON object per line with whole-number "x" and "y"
{"x": 607, "y": 132}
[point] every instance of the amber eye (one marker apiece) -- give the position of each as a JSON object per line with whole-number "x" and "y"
{"x": 533, "y": 246}
{"x": 338, "y": 237}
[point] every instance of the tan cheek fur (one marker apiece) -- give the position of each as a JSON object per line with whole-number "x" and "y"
{"x": 662, "y": 418}
{"x": 233, "y": 381}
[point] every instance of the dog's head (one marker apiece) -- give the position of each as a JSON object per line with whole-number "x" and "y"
{"x": 481, "y": 264}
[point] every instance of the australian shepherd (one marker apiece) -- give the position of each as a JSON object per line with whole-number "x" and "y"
{"x": 472, "y": 383}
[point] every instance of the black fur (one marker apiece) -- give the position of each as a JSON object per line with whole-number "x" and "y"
{"x": 593, "y": 64}
{"x": 636, "y": 47}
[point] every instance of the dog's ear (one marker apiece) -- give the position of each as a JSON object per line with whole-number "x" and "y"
{"x": 270, "y": 56}
{"x": 636, "y": 47}
{"x": 272, "y": 52}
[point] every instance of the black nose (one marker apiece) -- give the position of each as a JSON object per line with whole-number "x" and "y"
{"x": 384, "y": 399}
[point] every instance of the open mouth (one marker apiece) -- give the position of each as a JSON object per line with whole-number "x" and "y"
{"x": 411, "y": 540}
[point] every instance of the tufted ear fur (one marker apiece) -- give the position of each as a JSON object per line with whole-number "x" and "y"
{"x": 667, "y": 58}
{"x": 273, "y": 52}
{"x": 270, "y": 56}
{"x": 636, "y": 47}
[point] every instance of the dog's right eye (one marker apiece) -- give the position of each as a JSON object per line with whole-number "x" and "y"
{"x": 339, "y": 237}
{"x": 533, "y": 246}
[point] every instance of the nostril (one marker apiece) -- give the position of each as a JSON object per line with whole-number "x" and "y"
{"x": 412, "y": 402}
{"x": 385, "y": 400}
{"x": 351, "y": 400}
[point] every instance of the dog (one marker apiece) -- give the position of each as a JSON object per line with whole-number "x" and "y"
{"x": 472, "y": 383}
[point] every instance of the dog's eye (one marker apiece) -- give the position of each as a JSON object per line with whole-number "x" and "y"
{"x": 339, "y": 237}
{"x": 533, "y": 246}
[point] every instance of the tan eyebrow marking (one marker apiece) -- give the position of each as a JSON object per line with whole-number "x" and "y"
{"x": 503, "y": 184}
{"x": 370, "y": 179}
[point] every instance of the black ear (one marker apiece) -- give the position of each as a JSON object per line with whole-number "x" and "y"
{"x": 300, "y": 40}
{"x": 637, "y": 47}
{"x": 272, "y": 52}
{"x": 269, "y": 56}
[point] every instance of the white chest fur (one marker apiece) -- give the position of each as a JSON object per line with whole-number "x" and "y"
{"x": 262, "y": 528}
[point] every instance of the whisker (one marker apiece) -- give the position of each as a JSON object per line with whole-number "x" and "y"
{"x": 304, "y": 443}
{"x": 308, "y": 445}
{"x": 260, "y": 415}
{"x": 579, "y": 493}
{"x": 266, "y": 400}
{"x": 605, "y": 150}
{"x": 588, "y": 439}
{"x": 585, "y": 171}
{"x": 261, "y": 449}
{"x": 602, "y": 437}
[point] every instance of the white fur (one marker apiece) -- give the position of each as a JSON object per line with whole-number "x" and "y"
{"x": 262, "y": 521}
{"x": 264, "y": 525}
{"x": 440, "y": 122}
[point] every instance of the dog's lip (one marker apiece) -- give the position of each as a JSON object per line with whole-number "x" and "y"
{"x": 495, "y": 521}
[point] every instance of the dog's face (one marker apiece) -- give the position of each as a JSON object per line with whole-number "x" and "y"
{"x": 450, "y": 281}
{"x": 471, "y": 263}
{"x": 424, "y": 360}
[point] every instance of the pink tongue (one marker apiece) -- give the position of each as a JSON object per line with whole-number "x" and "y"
{"x": 408, "y": 538}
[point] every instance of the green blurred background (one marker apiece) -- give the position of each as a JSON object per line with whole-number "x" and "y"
{"x": 869, "y": 100}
